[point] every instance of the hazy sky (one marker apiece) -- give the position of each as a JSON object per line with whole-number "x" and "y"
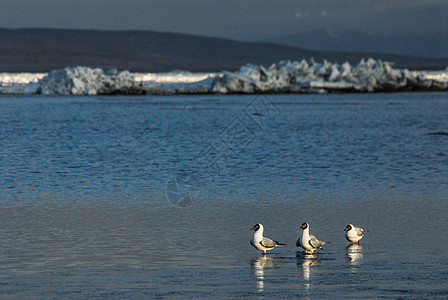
{"x": 239, "y": 19}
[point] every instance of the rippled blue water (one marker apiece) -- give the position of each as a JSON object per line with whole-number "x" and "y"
{"x": 147, "y": 197}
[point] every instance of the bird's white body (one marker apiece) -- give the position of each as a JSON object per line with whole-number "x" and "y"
{"x": 260, "y": 242}
{"x": 308, "y": 241}
{"x": 354, "y": 234}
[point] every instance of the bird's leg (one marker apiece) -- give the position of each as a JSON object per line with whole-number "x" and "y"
{"x": 358, "y": 243}
{"x": 264, "y": 253}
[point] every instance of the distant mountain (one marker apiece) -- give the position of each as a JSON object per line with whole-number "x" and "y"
{"x": 423, "y": 45}
{"x": 41, "y": 50}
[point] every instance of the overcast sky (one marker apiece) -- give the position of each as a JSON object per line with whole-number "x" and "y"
{"x": 239, "y": 19}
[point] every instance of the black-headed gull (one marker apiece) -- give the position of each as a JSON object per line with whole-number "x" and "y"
{"x": 308, "y": 241}
{"x": 262, "y": 243}
{"x": 353, "y": 234}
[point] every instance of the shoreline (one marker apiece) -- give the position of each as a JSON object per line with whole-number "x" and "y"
{"x": 284, "y": 77}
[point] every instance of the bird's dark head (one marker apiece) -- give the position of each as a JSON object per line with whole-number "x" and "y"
{"x": 256, "y": 227}
{"x": 304, "y": 226}
{"x": 349, "y": 227}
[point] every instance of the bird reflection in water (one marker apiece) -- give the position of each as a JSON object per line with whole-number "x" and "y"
{"x": 259, "y": 264}
{"x": 354, "y": 255}
{"x": 307, "y": 261}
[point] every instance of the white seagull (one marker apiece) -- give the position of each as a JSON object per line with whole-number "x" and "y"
{"x": 353, "y": 234}
{"x": 262, "y": 243}
{"x": 308, "y": 241}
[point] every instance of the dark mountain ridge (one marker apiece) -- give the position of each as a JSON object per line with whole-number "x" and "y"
{"x": 434, "y": 44}
{"x": 42, "y": 50}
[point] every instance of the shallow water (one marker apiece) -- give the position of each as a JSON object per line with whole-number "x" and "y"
{"x": 153, "y": 197}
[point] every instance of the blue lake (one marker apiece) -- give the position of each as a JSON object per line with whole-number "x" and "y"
{"x": 154, "y": 196}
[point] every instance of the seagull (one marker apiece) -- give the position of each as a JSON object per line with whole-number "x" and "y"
{"x": 353, "y": 234}
{"x": 308, "y": 241}
{"x": 262, "y": 243}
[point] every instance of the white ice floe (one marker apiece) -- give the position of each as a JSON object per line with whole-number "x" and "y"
{"x": 12, "y": 79}
{"x": 177, "y": 76}
{"x": 306, "y": 76}
{"x": 86, "y": 81}
{"x": 309, "y": 76}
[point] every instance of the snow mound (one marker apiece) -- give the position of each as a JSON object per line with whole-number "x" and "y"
{"x": 308, "y": 76}
{"x": 86, "y": 81}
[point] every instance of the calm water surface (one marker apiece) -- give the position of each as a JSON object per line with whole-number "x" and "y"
{"x": 153, "y": 197}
